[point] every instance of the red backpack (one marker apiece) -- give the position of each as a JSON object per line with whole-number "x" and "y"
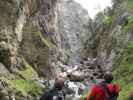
{"x": 109, "y": 95}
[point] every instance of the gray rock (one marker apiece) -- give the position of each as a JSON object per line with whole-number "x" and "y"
{"x": 3, "y": 70}
{"x": 72, "y": 21}
{"x": 4, "y": 92}
{"x": 5, "y": 98}
{"x": 77, "y": 76}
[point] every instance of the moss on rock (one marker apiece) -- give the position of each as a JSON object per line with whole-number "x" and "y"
{"x": 28, "y": 72}
{"x": 45, "y": 41}
{"x": 24, "y": 82}
{"x": 26, "y": 87}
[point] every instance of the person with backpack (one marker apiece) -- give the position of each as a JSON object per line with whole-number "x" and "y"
{"x": 104, "y": 90}
{"x": 56, "y": 93}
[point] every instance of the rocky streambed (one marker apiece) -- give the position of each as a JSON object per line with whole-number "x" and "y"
{"x": 79, "y": 78}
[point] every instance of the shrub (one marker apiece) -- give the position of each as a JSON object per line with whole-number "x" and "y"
{"x": 129, "y": 25}
{"x": 124, "y": 72}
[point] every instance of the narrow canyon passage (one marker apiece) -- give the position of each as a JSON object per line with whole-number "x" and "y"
{"x": 79, "y": 40}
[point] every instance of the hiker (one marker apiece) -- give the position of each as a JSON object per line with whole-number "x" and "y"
{"x": 56, "y": 93}
{"x": 104, "y": 90}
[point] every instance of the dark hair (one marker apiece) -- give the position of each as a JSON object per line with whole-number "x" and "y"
{"x": 59, "y": 83}
{"x": 108, "y": 77}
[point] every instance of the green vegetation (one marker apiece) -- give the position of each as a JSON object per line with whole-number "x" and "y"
{"x": 107, "y": 20}
{"x": 24, "y": 82}
{"x": 25, "y": 86}
{"x": 130, "y": 5}
{"x": 129, "y": 24}
{"x": 45, "y": 41}
{"x": 28, "y": 72}
{"x": 124, "y": 72}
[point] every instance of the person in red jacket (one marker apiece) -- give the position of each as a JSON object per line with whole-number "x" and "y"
{"x": 104, "y": 90}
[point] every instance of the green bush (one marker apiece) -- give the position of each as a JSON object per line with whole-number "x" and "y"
{"x": 130, "y": 5}
{"x": 107, "y": 20}
{"x": 124, "y": 72}
{"x": 129, "y": 25}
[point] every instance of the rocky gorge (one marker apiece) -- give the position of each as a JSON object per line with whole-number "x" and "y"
{"x": 42, "y": 39}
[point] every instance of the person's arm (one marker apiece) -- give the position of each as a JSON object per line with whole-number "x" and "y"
{"x": 91, "y": 95}
{"x": 117, "y": 89}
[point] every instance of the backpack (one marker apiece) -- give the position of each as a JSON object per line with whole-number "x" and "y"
{"x": 57, "y": 94}
{"x": 53, "y": 94}
{"x": 108, "y": 94}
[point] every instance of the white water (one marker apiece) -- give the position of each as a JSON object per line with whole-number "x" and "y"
{"x": 94, "y": 6}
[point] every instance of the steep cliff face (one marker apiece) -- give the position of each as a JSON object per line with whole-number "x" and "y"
{"x": 123, "y": 63}
{"x": 34, "y": 36}
{"x": 109, "y": 38}
{"x": 73, "y": 29}
{"x": 37, "y": 37}
{"x": 24, "y": 46}
{"x": 62, "y": 31}
{"x": 38, "y": 34}
{"x": 111, "y": 43}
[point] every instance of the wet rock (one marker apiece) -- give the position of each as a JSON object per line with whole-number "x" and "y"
{"x": 76, "y": 76}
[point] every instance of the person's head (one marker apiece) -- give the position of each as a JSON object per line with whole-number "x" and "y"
{"x": 59, "y": 83}
{"x": 108, "y": 77}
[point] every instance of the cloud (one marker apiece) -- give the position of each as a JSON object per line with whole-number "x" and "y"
{"x": 94, "y": 6}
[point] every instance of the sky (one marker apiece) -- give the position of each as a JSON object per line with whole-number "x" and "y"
{"x": 94, "y": 6}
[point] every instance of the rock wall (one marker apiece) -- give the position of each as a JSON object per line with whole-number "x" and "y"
{"x": 38, "y": 37}
{"x": 24, "y": 47}
{"x": 109, "y": 38}
{"x": 73, "y": 29}
{"x": 34, "y": 36}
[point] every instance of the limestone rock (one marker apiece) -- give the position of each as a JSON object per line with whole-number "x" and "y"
{"x": 73, "y": 21}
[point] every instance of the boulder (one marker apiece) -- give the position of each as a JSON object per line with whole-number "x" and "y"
{"x": 76, "y": 76}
